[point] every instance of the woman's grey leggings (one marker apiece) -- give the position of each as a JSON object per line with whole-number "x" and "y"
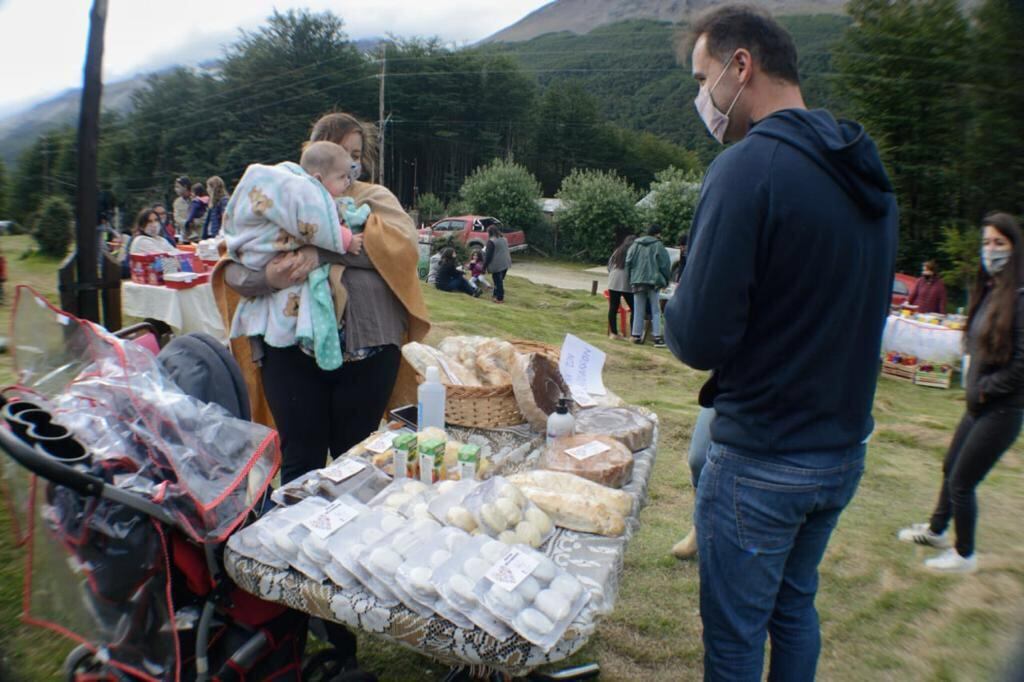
{"x": 700, "y": 441}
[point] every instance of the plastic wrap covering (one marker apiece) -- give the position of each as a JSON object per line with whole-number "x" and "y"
{"x": 99, "y": 570}
{"x": 595, "y": 561}
{"x": 193, "y": 458}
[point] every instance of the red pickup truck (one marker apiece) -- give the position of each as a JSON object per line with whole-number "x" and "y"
{"x": 471, "y": 230}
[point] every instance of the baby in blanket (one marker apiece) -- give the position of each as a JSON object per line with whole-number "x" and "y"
{"x": 282, "y": 208}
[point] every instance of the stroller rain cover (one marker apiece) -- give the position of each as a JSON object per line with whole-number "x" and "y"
{"x": 97, "y": 571}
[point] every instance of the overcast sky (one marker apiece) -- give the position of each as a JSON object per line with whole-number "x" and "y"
{"x": 42, "y": 42}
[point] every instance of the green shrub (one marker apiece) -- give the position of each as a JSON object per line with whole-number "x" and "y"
{"x": 675, "y": 193}
{"x": 461, "y": 250}
{"x": 52, "y": 229}
{"x": 430, "y": 206}
{"x": 506, "y": 191}
{"x": 599, "y": 209}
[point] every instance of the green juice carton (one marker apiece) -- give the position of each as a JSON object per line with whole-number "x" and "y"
{"x": 431, "y": 460}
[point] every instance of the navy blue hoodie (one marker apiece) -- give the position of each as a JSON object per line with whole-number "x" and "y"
{"x": 787, "y": 284}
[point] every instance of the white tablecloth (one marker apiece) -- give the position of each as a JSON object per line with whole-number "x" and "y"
{"x": 185, "y": 310}
{"x": 930, "y": 342}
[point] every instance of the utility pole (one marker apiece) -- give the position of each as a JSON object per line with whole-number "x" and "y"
{"x": 380, "y": 121}
{"x": 88, "y": 137}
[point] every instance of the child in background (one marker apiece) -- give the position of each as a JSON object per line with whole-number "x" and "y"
{"x": 476, "y": 271}
{"x": 282, "y": 208}
{"x": 449, "y": 277}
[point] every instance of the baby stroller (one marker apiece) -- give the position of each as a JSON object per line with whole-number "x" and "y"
{"x": 124, "y": 536}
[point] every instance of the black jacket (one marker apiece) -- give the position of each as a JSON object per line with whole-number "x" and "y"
{"x": 787, "y": 284}
{"x": 990, "y": 386}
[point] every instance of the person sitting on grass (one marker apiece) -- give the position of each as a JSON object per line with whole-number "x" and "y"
{"x": 449, "y": 277}
{"x": 476, "y": 271}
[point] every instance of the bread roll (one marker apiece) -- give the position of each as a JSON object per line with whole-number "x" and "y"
{"x": 629, "y": 427}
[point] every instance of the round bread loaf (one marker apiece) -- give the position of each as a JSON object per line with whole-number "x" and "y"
{"x": 537, "y": 384}
{"x": 629, "y": 427}
{"x": 613, "y": 466}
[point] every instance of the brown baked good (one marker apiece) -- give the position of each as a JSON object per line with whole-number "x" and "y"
{"x": 537, "y": 385}
{"x": 613, "y": 466}
{"x": 628, "y": 426}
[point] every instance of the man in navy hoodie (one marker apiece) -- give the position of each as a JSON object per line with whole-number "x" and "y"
{"x": 784, "y": 295}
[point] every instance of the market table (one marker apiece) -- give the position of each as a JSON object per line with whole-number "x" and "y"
{"x": 185, "y": 310}
{"x": 595, "y": 560}
{"x": 930, "y": 342}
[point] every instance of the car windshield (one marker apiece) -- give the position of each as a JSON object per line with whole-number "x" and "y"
{"x": 899, "y": 287}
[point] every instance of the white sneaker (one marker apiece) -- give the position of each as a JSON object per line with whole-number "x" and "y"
{"x": 951, "y": 562}
{"x": 921, "y": 534}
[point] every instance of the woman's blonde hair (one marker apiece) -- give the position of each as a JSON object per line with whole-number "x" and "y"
{"x": 336, "y": 126}
{"x": 217, "y": 189}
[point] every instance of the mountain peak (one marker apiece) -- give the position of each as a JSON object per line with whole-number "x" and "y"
{"x": 583, "y": 16}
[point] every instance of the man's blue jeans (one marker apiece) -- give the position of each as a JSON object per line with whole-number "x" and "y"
{"x": 763, "y": 522}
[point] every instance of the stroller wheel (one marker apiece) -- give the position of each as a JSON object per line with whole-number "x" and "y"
{"x": 327, "y": 666}
{"x": 80, "y": 661}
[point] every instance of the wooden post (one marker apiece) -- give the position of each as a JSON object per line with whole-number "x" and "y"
{"x": 593, "y": 287}
{"x": 88, "y": 137}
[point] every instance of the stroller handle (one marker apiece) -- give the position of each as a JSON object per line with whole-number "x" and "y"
{"x": 82, "y": 483}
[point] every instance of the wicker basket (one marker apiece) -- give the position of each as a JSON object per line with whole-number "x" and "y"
{"x": 482, "y": 407}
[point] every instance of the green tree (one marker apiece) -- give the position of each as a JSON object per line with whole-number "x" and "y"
{"x": 569, "y": 134}
{"x": 3, "y": 190}
{"x": 673, "y": 200}
{"x": 505, "y": 190}
{"x": 960, "y": 247}
{"x": 52, "y": 229}
{"x": 996, "y": 149}
{"x": 599, "y": 210}
{"x": 902, "y": 67}
{"x": 430, "y": 206}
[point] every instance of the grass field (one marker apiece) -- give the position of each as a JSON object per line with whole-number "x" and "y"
{"x": 883, "y": 617}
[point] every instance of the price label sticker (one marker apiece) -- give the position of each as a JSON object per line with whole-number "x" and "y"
{"x": 342, "y": 469}
{"x": 334, "y": 516}
{"x": 587, "y": 451}
{"x": 382, "y": 443}
{"x": 512, "y": 569}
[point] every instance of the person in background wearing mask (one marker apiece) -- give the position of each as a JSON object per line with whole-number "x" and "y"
{"x": 929, "y": 294}
{"x": 784, "y": 295}
{"x": 995, "y": 396}
{"x": 181, "y": 205}
{"x": 167, "y": 230}
{"x": 146, "y": 238}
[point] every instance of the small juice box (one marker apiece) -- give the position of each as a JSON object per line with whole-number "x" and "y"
{"x": 431, "y": 460}
{"x": 469, "y": 460}
{"x": 405, "y": 455}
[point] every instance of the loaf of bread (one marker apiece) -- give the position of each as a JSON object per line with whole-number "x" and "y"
{"x": 626, "y": 425}
{"x": 538, "y": 384}
{"x": 600, "y": 459}
{"x": 617, "y": 501}
{"x": 576, "y": 512}
{"x": 421, "y": 356}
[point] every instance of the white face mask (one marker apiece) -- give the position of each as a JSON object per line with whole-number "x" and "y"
{"x": 995, "y": 260}
{"x": 715, "y": 120}
{"x": 152, "y": 230}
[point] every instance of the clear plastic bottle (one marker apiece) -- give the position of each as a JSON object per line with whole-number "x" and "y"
{"x": 431, "y": 399}
{"x": 560, "y": 422}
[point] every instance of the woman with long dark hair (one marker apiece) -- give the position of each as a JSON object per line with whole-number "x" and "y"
{"x": 994, "y": 344}
{"x": 618, "y": 288}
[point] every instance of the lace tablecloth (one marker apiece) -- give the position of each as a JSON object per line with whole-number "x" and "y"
{"x": 595, "y": 560}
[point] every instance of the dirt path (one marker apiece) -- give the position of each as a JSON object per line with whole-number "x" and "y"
{"x": 560, "y": 275}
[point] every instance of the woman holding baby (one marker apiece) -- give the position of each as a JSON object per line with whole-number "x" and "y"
{"x": 318, "y": 411}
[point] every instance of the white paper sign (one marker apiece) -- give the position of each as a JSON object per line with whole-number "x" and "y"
{"x": 581, "y": 365}
{"x": 382, "y": 443}
{"x": 512, "y": 569}
{"x": 334, "y": 516}
{"x": 587, "y": 451}
{"x": 342, "y": 469}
